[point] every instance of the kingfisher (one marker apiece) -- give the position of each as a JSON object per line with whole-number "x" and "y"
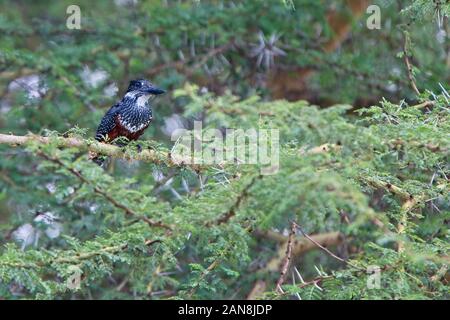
{"x": 130, "y": 116}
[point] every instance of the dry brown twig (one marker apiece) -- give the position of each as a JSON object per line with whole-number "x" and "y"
{"x": 299, "y": 247}
{"x": 287, "y": 258}
{"x": 325, "y": 249}
{"x": 409, "y": 66}
{"x": 231, "y": 212}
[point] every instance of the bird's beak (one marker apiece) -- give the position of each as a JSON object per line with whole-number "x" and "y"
{"x": 155, "y": 90}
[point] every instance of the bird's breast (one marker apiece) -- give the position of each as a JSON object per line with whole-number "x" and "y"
{"x": 135, "y": 119}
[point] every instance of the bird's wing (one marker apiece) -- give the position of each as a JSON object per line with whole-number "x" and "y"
{"x": 107, "y": 124}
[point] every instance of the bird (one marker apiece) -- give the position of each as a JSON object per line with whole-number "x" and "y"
{"x": 129, "y": 117}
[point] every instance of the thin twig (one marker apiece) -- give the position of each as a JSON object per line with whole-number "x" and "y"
{"x": 181, "y": 64}
{"x": 287, "y": 258}
{"x": 315, "y": 281}
{"x": 225, "y": 217}
{"x": 409, "y": 66}
{"x": 325, "y": 249}
{"x": 318, "y": 244}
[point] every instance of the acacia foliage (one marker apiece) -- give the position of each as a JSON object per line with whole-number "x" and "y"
{"x": 392, "y": 155}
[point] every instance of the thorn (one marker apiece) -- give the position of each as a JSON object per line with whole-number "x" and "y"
{"x": 444, "y": 92}
{"x": 318, "y": 271}
{"x": 299, "y": 275}
{"x": 315, "y": 285}
{"x": 175, "y": 193}
{"x": 280, "y": 290}
{"x": 185, "y": 185}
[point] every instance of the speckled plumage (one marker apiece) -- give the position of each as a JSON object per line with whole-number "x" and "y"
{"x": 124, "y": 119}
{"x": 131, "y": 116}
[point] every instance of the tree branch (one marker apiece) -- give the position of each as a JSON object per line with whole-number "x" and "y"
{"x": 301, "y": 246}
{"x": 325, "y": 249}
{"x": 397, "y": 191}
{"x": 101, "y": 148}
{"x": 409, "y": 66}
{"x": 287, "y": 258}
{"x": 225, "y": 217}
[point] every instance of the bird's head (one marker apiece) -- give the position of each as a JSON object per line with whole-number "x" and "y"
{"x": 142, "y": 87}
